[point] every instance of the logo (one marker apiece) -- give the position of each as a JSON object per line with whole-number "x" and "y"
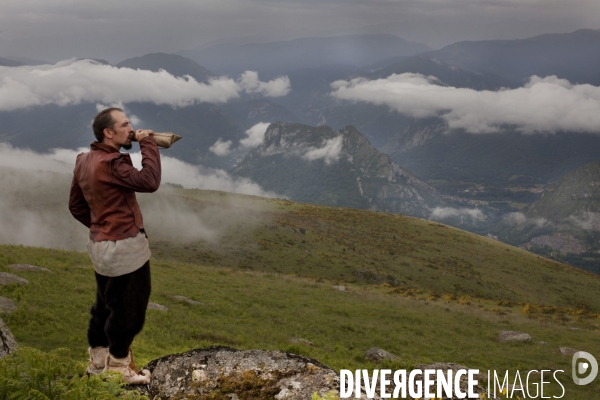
{"x": 584, "y": 364}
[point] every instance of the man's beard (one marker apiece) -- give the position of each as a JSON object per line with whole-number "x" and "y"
{"x": 127, "y": 146}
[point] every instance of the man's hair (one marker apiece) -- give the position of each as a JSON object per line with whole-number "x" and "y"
{"x": 102, "y": 121}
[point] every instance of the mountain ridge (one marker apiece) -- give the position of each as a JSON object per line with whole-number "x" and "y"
{"x": 360, "y": 176}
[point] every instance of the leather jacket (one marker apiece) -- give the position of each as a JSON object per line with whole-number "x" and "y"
{"x": 103, "y": 189}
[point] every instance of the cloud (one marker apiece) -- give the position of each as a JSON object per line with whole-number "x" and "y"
{"x": 221, "y": 148}
{"x": 330, "y": 151}
{"x": 440, "y": 213}
{"x": 589, "y": 221}
{"x": 72, "y": 82}
{"x": 256, "y": 135}
{"x": 276, "y": 88}
{"x": 518, "y": 218}
{"x": 545, "y": 104}
{"x": 34, "y": 196}
{"x": 173, "y": 170}
{"x": 134, "y": 119}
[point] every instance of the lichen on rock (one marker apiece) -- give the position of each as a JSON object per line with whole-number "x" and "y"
{"x": 225, "y": 373}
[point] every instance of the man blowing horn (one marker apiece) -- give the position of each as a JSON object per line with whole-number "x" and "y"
{"x": 103, "y": 199}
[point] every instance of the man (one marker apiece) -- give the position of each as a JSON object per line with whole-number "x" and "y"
{"x": 103, "y": 199}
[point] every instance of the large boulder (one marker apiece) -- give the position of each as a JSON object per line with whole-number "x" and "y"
{"x": 223, "y": 372}
{"x": 8, "y": 343}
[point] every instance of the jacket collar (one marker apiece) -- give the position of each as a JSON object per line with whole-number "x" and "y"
{"x": 103, "y": 146}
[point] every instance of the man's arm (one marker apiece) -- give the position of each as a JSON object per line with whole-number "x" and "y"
{"x": 146, "y": 180}
{"x": 79, "y": 207}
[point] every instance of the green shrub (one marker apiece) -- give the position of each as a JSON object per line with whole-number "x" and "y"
{"x": 34, "y": 374}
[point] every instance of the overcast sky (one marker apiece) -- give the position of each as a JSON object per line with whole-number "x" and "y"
{"x": 54, "y": 30}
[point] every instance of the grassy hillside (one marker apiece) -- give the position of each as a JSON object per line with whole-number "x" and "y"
{"x": 262, "y": 310}
{"x": 265, "y": 271}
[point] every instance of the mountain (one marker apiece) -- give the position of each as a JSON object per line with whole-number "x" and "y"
{"x": 564, "y": 222}
{"x": 428, "y": 148}
{"x": 574, "y": 56}
{"x": 447, "y": 74}
{"x": 174, "y": 64}
{"x": 258, "y": 110}
{"x": 573, "y": 196}
{"x": 5, "y": 62}
{"x": 28, "y": 61}
{"x": 282, "y": 57}
{"x": 320, "y": 165}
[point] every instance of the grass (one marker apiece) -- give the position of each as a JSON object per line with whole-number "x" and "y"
{"x": 264, "y": 268}
{"x": 248, "y": 309}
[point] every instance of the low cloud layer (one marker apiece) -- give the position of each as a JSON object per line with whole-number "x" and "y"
{"x": 441, "y": 213}
{"x": 519, "y": 219}
{"x": 256, "y": 135}
{"x": 543, "y": 105}
{"x": 73, "y": 82}
{"x": 35, "y": 193}
{"x": 329, "y": 151}
{"x": 173, "y": 170}
{"x": 589, "y": 221}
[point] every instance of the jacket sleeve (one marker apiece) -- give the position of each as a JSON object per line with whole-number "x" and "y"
{"x": 145, "y": 180}
{"x": 79, "y": 207}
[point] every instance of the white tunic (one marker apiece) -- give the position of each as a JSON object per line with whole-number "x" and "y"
{"x": 116, "y": 258}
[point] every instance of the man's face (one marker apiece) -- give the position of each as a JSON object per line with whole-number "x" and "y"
{"x": 121, "y": 130}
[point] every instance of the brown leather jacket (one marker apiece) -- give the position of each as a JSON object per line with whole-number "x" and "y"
{"x": 103, "y": 189}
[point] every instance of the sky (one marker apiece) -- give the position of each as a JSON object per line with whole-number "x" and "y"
{"x": 54, "y": 30}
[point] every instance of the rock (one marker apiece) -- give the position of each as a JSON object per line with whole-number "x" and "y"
{"x": 567, "y": 351}
{"x": 27, "y": 267}
{"x": 7, "y": 305}
{"x": 340, "y": 288}
{"x": 377, "y": 355}
{"x": 188, "y": 300}
{"x": 156, "y": 306}
{"x": 511, "y": 336}
{"x": 8, "y": 343}
{"x": 223, "y": 372}
{"x": 542, "y": 343}
{"x": 7, "y": 279}
{"x": 464, "y": 384}
{"x": 303, "y": 341}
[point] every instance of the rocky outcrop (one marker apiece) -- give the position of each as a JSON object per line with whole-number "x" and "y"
{"x": 188, "y": 300}
{"x": 156, "y": 306}
{"x": 225, "y": 373}
{"x": 377, "y": 355}
{"x": 511, "y": 336}
{"x": 8, "y": 279}
{"x": 7, "y": 305}
{"x": 567, "y": 351}
{"x": 8, "y": 343}
{"x": 28, "y": 267}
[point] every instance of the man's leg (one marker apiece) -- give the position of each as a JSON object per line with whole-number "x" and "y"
{"x": 126, "y": 298}
{"x": 96, "y": 335}
{"x": 97, "y": 339}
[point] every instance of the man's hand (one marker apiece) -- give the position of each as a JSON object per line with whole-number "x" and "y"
{"x": 142, "y": 133}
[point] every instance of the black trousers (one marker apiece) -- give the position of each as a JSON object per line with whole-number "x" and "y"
{"x": 120, "y": 310}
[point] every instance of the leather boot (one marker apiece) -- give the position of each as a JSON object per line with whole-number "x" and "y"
{"x": 97, "y": 360}
{"x": 126, "y": 367}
